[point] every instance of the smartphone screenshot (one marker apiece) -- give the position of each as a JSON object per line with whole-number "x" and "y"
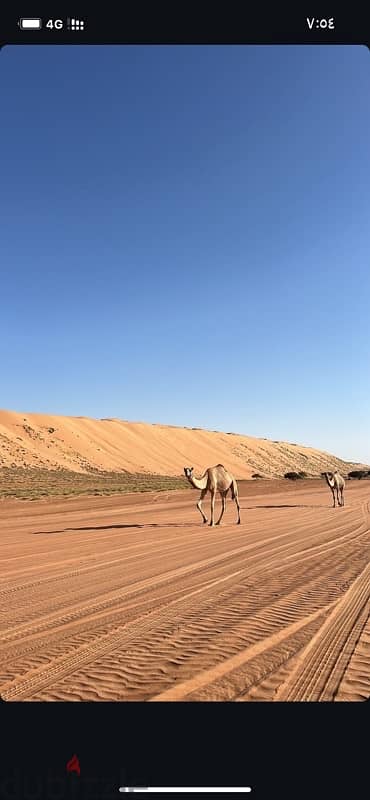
{"x": 184, "y": 424}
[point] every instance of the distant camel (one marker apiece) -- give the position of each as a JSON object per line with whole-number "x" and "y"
{"x": 214, "y": 479}
{"x": 336, "y": 484}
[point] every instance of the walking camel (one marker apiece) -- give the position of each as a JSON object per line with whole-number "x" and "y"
{"x": 336, "y": 483}
{"x": 214, "y": 479}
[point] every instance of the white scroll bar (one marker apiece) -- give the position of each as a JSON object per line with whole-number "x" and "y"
{"x": 189, "y": 789}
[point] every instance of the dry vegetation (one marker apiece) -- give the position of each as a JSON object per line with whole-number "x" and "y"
{"x": 33, "y": 484}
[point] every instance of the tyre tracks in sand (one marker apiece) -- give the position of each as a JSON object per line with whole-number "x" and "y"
{"x": 273, "y": 609}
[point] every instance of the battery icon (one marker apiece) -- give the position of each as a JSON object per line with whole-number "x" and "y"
{"x": 28, "y": 24}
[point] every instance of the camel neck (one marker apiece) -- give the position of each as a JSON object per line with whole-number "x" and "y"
{"x": 199, "y": 483}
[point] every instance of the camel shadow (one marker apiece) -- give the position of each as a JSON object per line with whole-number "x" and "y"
{"x": 286, "y": 505}
{"x": 113, "y": 527}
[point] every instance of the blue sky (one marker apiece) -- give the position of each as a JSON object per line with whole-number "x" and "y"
{"x": 185, "y": 237}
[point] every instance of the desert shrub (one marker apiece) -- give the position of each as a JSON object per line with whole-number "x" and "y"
{"x": 256, "y": 475}
{"x": 358, "y": 473}
{"x": 294, "y": 476}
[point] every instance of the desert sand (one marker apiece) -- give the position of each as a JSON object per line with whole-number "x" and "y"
{"x": 81, "y": 443}
{"x": 131, "y": 598}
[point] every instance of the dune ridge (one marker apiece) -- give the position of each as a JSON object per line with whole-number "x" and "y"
{"x": 82, "y": 444}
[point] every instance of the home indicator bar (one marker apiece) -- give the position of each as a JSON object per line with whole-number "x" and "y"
{"x": 186, "y": 789}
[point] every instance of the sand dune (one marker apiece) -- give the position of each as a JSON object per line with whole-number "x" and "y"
{"x": 131, "y": 598}
{"x": 80, "y": 443}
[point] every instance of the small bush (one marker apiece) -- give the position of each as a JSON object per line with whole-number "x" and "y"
{"x": 358, "y": 473}
{"x": 294, "y": 476}
{"x": 256, "y": 475}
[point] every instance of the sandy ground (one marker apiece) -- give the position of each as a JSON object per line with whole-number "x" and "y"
{"x": 132, "y": 598}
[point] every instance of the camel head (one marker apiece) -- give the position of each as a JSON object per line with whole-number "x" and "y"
{"x": 329, "y": 477}
{"x": 188, "y": 471}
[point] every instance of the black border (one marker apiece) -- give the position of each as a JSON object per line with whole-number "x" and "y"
{"x": 285, "y": 750}
{"x": 280, "y": 749}
{"x": 186, "y": 24}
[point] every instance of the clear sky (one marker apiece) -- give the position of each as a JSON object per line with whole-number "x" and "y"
{"x": 185, "y": 237}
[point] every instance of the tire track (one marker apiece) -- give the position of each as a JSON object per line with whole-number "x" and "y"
{"x": 80, "y": 610}
{"x": 208, "y": 676}
{"x": 355, "y": 684}
{"x": 280, "y": 574}
{"x": 212, "y": 628}
{"x": 322, "y": 663}
{"x": 113, "y": 639}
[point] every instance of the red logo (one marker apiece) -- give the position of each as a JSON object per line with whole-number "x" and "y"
{"x": 73, "y": 765}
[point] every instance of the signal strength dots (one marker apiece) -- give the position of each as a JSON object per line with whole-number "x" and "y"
{"x": 75, "y": 24}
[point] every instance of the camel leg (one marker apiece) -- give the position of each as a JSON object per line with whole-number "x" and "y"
{"x": 199, "y": 505}
{"x": 238, "y": 507}
{"x": 333, "y": 492}
{"x": 213, "y": 498}
{"x": 342, "y": 497}
{"x": 223, "y": 497}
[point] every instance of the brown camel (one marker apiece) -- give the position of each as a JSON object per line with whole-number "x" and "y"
{"x": 336, "y": 483}
{"x": 214, "y": 479}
